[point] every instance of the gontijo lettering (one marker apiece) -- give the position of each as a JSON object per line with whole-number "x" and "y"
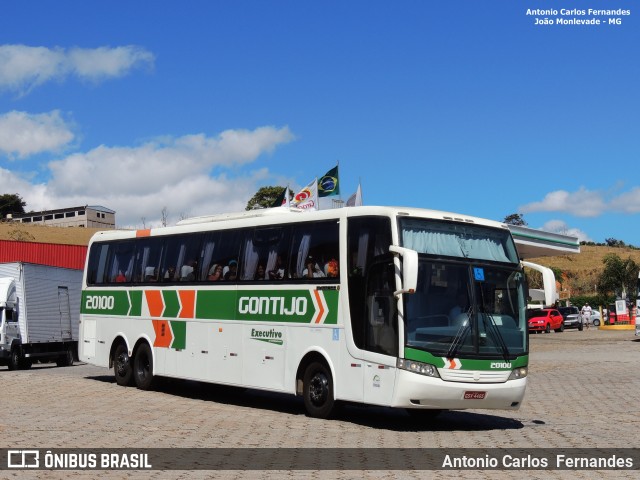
{"x": 99, "y": 302}
{"x": 272, "y": 305}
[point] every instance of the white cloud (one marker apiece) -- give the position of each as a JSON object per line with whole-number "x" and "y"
{"x": 24, "y": 134}
{"x": 104, "y": 62}
{"x": 190, "y": 175}
{"x": 587, "y": 203}
{"x": 23, "y": 67}
{"x": 558, "y": 226}
{"x": 583, "y": 203}
{"x": 628, "y": 202}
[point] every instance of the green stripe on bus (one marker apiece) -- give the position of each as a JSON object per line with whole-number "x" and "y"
{"x": 287, "y": 306}
{"x": 171, "y": 303}
{"x": 465, "y": 363}
{"x": 179, "y": 330}
{"x": 135, "y": 296}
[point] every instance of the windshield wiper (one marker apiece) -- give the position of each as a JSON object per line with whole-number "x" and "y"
{"x": 496, "y": 334}
{"x": 461, "y": 334}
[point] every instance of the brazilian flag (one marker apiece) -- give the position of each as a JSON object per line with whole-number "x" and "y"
{"x": 328, "y": 184}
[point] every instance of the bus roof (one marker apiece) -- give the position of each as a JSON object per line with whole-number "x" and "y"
{"x": 268, "y": 216}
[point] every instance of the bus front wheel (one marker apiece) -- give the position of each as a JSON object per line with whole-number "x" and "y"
{"x": 122, "y": 366}
{"x": 143, "y": 367}
{"x": 318, "y": 390}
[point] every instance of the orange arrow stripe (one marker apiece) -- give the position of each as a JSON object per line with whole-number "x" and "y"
{"x": 164, "y": 337}
{"x": 155, "y": 302}
{"x": 319, "y": 300}
{"x": 188, "y": 302}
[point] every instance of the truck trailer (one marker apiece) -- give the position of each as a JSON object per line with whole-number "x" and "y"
{"x": 39, "y": 313}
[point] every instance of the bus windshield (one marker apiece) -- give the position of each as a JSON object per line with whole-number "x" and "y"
{"x": 468, "y": 311}
{"x": 470, "y": 301}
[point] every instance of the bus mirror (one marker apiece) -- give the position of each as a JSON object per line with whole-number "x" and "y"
{"x": 409, "y": 269}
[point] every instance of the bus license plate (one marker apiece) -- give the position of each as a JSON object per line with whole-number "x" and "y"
{"x": 474, "y": 395}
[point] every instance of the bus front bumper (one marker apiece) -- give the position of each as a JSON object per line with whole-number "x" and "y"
{"x": 423, "y": 392}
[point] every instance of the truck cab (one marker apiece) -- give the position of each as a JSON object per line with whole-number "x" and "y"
{"x": 9, "y": 325}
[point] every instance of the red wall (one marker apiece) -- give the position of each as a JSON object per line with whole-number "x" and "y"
{"x": 56, "y": 255}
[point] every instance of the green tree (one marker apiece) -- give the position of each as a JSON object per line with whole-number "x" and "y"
{"x": 515, "y": 219}
{"x": 618, "y": 276}
{"x": 11, "y": 203}
{"x": 265, "y": 197}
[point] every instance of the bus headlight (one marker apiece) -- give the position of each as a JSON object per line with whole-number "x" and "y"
{"x": 418, "y": 367}
{"x": 518, "y": 373}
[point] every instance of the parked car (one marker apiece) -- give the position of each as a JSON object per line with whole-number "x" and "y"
{"x": 545, "y": 320}
{"x": 595, "y": 318}
{"x": 571, "y": 316}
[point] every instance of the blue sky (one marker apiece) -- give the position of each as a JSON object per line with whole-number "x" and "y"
{"x": 464, "y": 106}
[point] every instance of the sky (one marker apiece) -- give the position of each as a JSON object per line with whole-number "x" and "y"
{"x": 464, "y": 106}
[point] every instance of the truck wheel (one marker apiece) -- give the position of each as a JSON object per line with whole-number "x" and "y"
{"x": 15, "y": 359}
{"x": 65, "y": 360}
{"x": 318, "y": 391}
{"x": 122, "y": 366}
{"x": 143, "y": 367}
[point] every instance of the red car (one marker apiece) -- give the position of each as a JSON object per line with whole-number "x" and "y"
{"x": 545, "y": 319}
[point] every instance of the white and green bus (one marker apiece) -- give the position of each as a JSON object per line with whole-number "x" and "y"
{"x": 399, "y": 307}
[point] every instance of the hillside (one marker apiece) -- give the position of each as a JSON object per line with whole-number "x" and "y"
{"x": 39, "y": 233}
{"x": 582, "y": 270}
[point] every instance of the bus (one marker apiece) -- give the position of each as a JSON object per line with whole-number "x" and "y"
{"x": 399, "y": 307}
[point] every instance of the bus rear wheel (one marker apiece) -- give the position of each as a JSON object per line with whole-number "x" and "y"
{"x": 318, "y": 390}
{"x": 143, "y": 367}
{"x": 122, "y": 369}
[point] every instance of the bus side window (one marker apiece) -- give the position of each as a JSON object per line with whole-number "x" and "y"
{"x": 318, "y": 241}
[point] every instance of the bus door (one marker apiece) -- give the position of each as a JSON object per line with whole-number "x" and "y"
{"x": 381, "y": 333}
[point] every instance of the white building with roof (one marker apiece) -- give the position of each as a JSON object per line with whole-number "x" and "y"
{"x": 94, "y": 216}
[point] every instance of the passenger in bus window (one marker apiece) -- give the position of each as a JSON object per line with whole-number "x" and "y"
{"x": 232, "y": 273}
{"x": 121, "y": 278}
{"x": 312, "y": 270}
{"x": 277, "y": 273}
{"x": 260, "y": 273}
{"x": 170, "y": 274}
{"x": 331, "y": 268}
{"x": 215, "y": 273}
{"x": 150, "y": 274}
{"x": 188, "y": 271}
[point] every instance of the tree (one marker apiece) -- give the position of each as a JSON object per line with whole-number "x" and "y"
{"x": 515, "y": 219}
{"x": 612, "y": 242}
{"x": 265, "y": 197}
{"x": 11, "y": 203}
{"x": 618, "y": 276}
{"x": 164, "y": 216}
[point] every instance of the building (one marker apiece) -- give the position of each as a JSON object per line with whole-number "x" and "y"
{"x": 90, "y": 217}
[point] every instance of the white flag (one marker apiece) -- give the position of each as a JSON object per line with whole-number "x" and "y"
{"x": 285, "y": 202}
{"x": 307, "y": 198}
{"x": 355, "y": 200}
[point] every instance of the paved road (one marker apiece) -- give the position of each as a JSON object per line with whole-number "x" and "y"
{"x": 584, "y": 391}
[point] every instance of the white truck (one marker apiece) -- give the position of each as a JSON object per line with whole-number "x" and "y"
{"x": 39, "y": 313}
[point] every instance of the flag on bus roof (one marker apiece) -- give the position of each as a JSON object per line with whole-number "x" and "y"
{"x": 355, "y": 200}
{"x": 307, "y": 198}
{"x": 282, "y": 200}
{"x": 329, "y": 184}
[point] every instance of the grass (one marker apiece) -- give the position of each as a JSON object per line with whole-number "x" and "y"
{"x": 42, "y": 234}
